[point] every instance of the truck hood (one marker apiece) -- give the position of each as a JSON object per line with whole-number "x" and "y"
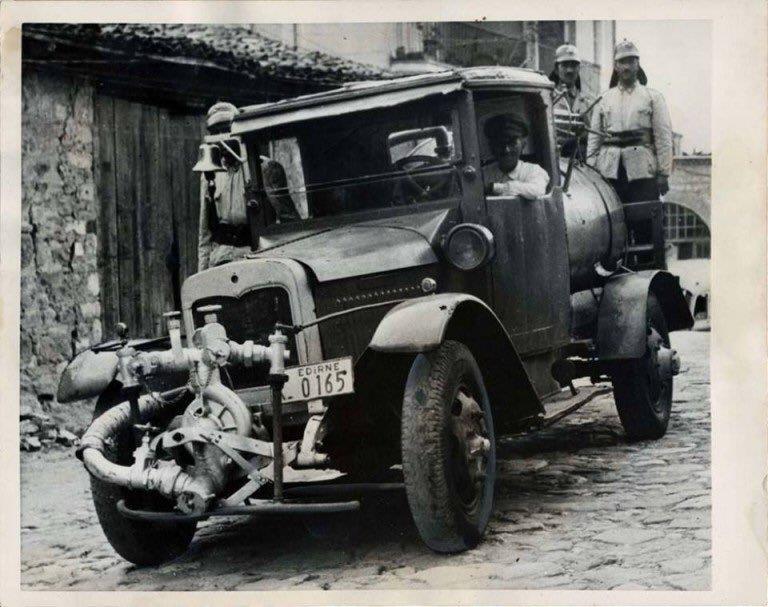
{"x": 366, "y": 247}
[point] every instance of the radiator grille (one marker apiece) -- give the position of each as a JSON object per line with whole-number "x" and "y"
{"x": 252, "y": 316}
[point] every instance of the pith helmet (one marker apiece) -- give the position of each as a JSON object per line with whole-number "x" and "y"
{"x": 625, "y": 48}
{"x": 220, "y": 116}
{"x": 567, "y": 52}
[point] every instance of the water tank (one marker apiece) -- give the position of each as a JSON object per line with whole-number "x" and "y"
{"x": 595, "y": 227}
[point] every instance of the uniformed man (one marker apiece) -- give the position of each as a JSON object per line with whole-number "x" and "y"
{"x": 508, "y": 175}
{"x": 630, "y": 142}
{"x": 571, "y": 104}
{"x": 224, "y": 233}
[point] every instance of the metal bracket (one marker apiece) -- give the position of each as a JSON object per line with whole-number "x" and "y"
{"x": 187, "y": 434}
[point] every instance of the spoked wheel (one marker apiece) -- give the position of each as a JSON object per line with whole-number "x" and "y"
{"x": 448, "y": 448}
{"x": 643, "y": 386}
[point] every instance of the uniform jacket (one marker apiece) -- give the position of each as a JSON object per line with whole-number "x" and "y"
{"x": 572, "y": 102}
{"x": 637, "y": 108}
{"x": 230, "y": 209}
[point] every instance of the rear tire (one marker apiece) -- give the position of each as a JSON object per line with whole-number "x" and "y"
{"x": 643, "y": 397}
{"x": 140, "y": 542}
{"x": 448, "y": 449}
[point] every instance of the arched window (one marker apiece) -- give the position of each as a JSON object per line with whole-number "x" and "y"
{"x": 686, "y": 231}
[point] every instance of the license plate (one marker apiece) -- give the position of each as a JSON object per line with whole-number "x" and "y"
{"x": 319, "y": 380}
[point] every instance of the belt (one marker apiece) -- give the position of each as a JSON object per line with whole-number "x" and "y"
{"x": 233, "y": 235}
{"x": 625, "y": 139}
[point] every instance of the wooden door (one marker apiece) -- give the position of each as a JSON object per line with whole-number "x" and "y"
{"x": 149, "y": 210}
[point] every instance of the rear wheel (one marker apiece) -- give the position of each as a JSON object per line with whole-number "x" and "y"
{"x": 643, "y": 394}
{"x": 140, "y": 542}
{"x": 448, "y": 449}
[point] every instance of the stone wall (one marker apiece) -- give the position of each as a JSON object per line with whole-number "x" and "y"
{"x": 60, "y": 309}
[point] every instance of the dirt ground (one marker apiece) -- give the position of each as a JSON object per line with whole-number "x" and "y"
{"x": 577, "y": 508}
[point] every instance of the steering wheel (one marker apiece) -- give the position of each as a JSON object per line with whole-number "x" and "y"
{"x": 425, "y": 186}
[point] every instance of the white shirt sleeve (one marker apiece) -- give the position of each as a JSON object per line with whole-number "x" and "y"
{"x": 531, "y": 183}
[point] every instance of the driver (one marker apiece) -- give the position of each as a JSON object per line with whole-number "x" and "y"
{"x": 508, "y": 175}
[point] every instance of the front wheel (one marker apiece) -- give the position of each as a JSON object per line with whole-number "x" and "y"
{"x": 140, "y": 542}
{"x": 643, "y": 393}
{"x": 448, "y": 448}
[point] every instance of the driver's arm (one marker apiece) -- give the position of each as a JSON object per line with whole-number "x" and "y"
{"x": 532, "y": 183}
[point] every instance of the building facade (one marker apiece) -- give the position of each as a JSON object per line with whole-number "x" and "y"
{"x": 429, "y": 46}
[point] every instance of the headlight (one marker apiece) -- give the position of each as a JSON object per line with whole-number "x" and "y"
{"x": 469, "y": 246}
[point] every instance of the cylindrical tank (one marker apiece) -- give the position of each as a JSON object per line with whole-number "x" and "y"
{"x": 594, "y": 220}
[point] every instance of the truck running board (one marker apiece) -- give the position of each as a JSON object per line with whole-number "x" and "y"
{"x": 564, "y": 403}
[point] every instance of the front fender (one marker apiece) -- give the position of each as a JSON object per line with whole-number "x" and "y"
{"x": 621, "y": 317}
{"x": 422, "y": 324}
{"x": 419, "y": 325}
{"x": 87, "y": 375}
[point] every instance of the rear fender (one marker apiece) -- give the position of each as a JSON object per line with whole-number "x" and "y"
{"x": 422, "y": 324}
{"x": 621, "y": 318}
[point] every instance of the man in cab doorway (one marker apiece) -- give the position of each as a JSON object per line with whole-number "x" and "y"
{"x": 508, "y": 175}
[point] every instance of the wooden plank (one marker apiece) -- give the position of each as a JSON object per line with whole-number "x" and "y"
{"x": 157, "y": 284}
{"x": 126, "y": 128}
{"x": 168, "y": 154}
{"x": 182, "y": 176}
{"x": 193, "y": 133}
{"x": 106, "y": 195}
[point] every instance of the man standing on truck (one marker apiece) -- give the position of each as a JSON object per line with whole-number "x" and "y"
{"x": 223, "y": 231}
{"x": 508, "y": 175}
{"x": 572, "y": 107}
{"x": 630, "y": 142}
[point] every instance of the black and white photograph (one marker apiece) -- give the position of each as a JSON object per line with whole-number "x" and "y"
{"x": 363, "y": 306}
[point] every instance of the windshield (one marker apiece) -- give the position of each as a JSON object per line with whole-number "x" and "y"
{"x": 382, "y": 158}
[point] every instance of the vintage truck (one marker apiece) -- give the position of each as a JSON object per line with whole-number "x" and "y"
{"x": 398, "y": 326}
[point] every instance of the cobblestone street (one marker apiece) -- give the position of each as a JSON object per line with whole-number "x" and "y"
{"x": 577, "y": 508}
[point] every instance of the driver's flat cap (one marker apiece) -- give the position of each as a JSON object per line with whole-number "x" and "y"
{"x": 504, "y": 126}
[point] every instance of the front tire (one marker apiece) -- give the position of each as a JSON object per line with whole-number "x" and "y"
{"x": 643, "y": 397}
{"x": 448, "y": 448}
{"x": 140, "y": 542}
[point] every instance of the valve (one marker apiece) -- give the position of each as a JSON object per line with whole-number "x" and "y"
{"x": 209, "y": 313}
{"x": 125, "y": 357}
{"x": 122, "y": 332}
{"x": 173, "y": 320}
